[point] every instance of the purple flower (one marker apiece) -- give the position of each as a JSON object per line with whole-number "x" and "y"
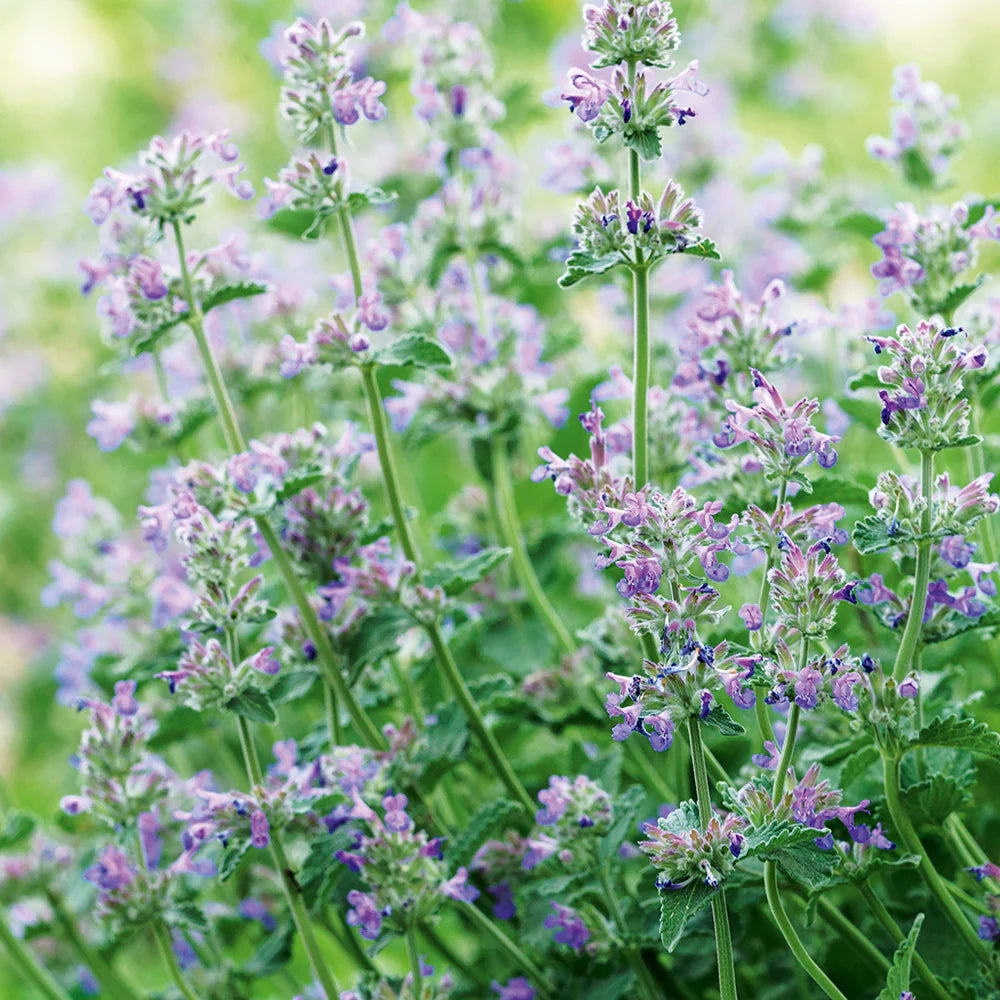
{"x": 254, "y": 909}
{"x": 752, "y": 617}
{"x": 112, "y": 423}
{"x": 112, "y": 870}
{"x": 504, "y": 908}
{"x": 260, "y": 829}
{"x": 956, "y": 551}
{"x": 149, "y": 834}
{"x": 457, "y": 887}
{"x": 263, "y": 662}
{"x": 123, "y": 702}
{"x": 364, "y": 914}
{"x": 516, "y": 989}
{"x": 569, "y": 928}
{"x": 396, "y": 819}
{"x": 989, "y": 928}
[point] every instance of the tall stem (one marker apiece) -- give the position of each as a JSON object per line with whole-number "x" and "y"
{"x": 293, "y": 893}
{"x": 29, "y": 968}
{"x": 413, "y": 952}
{"x": 166, "y": 950}
{"x": 522, "y": 960}
{"x": 884, "y": 917}
{"x": 640, "y": 374}
{"x": 642, "y": 974}
{"x": 236, "y": 443}
{"x": 918, "y": 602}
{"x": 720, "y": 912}
{"x": 910, "y": 839}
{"x": 846, "y": 929}
{"x": 514, "y": 537}
{"x": 103, "y": 971}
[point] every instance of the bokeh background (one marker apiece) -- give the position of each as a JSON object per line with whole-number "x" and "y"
{"x": 85, "y": 83}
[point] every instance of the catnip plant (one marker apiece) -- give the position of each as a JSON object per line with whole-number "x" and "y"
{"x": 715, "y": 710}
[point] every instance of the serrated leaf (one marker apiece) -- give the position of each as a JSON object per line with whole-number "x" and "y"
{"x": 359, "y": 200}
{"x": 17, "y": 827}
{"x": 704, "y": 248}
{"x": 231, "y": 291}
{"x": 969, "y": 441}
{"x": 898, "y": 978}
{"x": 232, "y": 855}
{"x": 719, "y": 718}
{"x": 626, "y": 807}
{"x": 414, "y": 349}
{"x": 456, "y": 577}
{"x": 274, "y": 954}
{"x": 961, "y": 734}
{"x": 296, "y": 484}
{"x": 958, "y": 295}
{"x": 378, "y": 638}
{"x": 678, "y": 906}
{"x": 805, "y": 863}
{"x": 645, "y": 142}
{"x": 291, "y": 685}
{"x": 489, "y": 820}
{"x": 857, "y": 765}
{"x": 502, "y": 250}
{"x": 253, "y": 704}
{"x": 876, "y": 860}
{"x": 871, "y": 534}
{"x": 916, "y": 169}
{"x": 774, "y": 835}
{"x": 582, "y": 264}
{"x": 927, "y": 801}
{"x": 147, "y": 342}
{"x": 320, "y": 870}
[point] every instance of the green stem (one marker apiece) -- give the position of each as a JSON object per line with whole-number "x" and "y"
{"x": 523, "y": 962}
{"x": 851, "y": 934}
{"x": 109, "y": 980}
{"x": 293, "y": 894}
{"x": 907, "y": 834}
{"x": 474, "y": 975}
{"x": 640, "y": 374}
{"x": 918, "y": 602}
{"x": 720, "y": 912}
{"x": 792, "y": 938}
{"x": 467, "y": 703}
{"x": 236, "y": 443}
{"x": 514, "y": 537}
{"x": 976, "y": 458}
{"x": 345, "y": 936}
{"x": 166, "y": 950}
{"x": 787, "y": 748}
{"x": 413, "y": 952}
{"x": 895, "y": 932}
{"x": 633, "y": 955}
{"x": 30, "y": 969}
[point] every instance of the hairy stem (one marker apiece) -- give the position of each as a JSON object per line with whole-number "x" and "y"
{"x": 166, "y": 950}
{"x": 513, "y": 534}
{"x": 236, "y": 443}
{"x": 293, "y": 894}
{"x": 907, "y": 834}
{"x": 720, "y": 912}
{"x": 414, "y": 955}
{"x": 640, "y": 374}
{"x": 885, "y": 918}
{"x": 28, "y": 967}
{"x": 921, "y": 579}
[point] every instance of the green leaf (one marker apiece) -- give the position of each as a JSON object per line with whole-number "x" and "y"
{"x": 274, "y": 954}
{"x": 719, "y": 718}
{"x": 958, "y": 295}
{"x": 321, "y": 870}
{"x": 231, "y": 291}
{"x": 875, "y": 860}
{"x": 378, "y": 638}
{"x": 490, "y": 820}
{"x": 969, "y": 441}
{"x": 898, "y": 978}
{"x": 862, "y": 223}
{"x": 359, "y": 200}
{"x": 456, "y": 577}
{"x": 177, "y": 724}
{"x": 439, "y": 261}
{"x": 583, "y": 264}
{"x": 626, "y": 808}
{"x": 291, "y": 685}
{"x": 296, "y": 484}
{"x": 414, "y": 349}
{"x": 766, "y": 840}
{"x": 645, "y": 142}
{"x": 961, "y": 734}
{"x": 866, "y": 380}
{"x": 502, "y": 250}
{"x": 678, "y": 906}
{"x": 858, "y": 765}
{"x": 253, "y": 704}
{"x": 871, "y": 534}
{"x": 18, "y": 826}
{"x": 704, "y": 248}
{"x": 927, "y": 801}
{"x": 146, "y": 343}
{"x": 805, "y": 863}
{"x": 916, "y": 169}
{"x": 232, "y": 855}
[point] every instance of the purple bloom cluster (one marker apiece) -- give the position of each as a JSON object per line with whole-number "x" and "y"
{"x": 682, "y": 853}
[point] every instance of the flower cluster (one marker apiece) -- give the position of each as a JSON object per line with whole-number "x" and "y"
{"x": 926, "y": 134}
{"x": 320, "y": 89}
{"x": 924, "y": 256}
{"x": 402, "y": 869}
{"x": 923, "y": 406}
{"x": 807, "y": 586}
{"x": 786, "y": 439}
